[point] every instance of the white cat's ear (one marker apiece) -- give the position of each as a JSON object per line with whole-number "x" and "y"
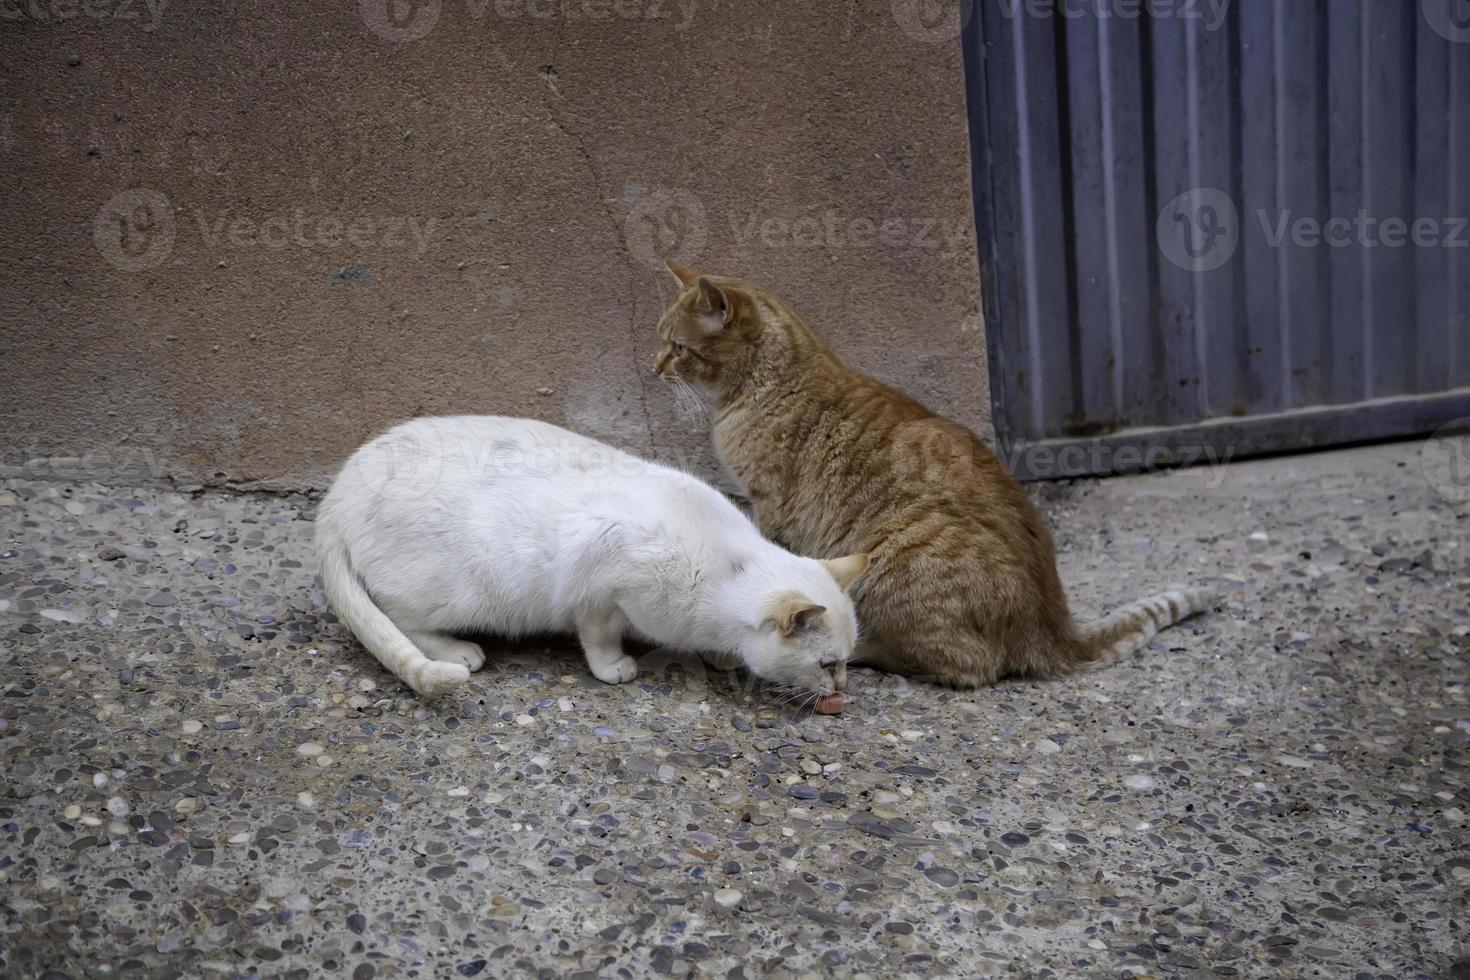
{"x": 796, "y": 614}
{"x": 846, "y": 570}
{"x": 683, "y": 273}
{"x": 714, "y": 304}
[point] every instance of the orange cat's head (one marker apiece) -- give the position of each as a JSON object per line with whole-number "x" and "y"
{"x": 707, "y": 334}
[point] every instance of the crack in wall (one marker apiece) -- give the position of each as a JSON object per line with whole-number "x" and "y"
{"x": 620, "y": 244}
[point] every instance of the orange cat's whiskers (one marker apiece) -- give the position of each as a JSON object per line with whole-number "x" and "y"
{"x": 688, "y": 398}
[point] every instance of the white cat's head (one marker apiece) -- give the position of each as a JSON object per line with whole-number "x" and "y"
{"x": 806, "y": 629}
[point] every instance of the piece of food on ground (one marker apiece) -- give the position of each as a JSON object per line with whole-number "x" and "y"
{"x": 829, "y": 704}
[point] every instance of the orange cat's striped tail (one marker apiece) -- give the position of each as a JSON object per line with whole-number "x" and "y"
{"x": 1128, "y": 629}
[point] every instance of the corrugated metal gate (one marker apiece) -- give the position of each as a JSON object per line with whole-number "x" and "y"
{"x": 1216, "y": 228}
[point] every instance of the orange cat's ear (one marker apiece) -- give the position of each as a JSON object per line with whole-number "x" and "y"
{"x": 796, "y": 614}
{"x": 714, "y": 303}
{"x": 846, "y": 570}
{"x": 683, "y": 273}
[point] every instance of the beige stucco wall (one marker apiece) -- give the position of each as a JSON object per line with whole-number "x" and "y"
{"x": 238, "y": 238}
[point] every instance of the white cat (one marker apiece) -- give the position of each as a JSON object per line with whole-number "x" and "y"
{"x": 516, "y": 527}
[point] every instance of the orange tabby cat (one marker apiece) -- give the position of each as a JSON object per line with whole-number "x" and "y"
{"x": 963, "y": 584}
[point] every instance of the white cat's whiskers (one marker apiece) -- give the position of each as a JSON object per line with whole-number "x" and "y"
{"x": 780, "y": 693}
{"x": 793, "y": 696}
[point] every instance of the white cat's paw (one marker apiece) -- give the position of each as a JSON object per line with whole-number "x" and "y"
{"x": 618, "y": 671}
{"x": 436, "y": 678}
{"x": 466, "y": 654}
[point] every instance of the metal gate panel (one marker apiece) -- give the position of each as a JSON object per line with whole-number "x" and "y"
{"x": 1098, "y": 136}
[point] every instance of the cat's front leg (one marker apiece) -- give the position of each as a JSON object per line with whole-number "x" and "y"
{"x": 721, "y": 660}
{"x": 601, "y": 634}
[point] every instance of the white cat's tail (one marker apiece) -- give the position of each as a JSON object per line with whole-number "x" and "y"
{"x": 375, "y": 630}
{"x": 1128, "y": 629}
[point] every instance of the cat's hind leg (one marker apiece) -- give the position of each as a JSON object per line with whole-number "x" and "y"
{"x": 601, "y": 635}
{"x": 962, "y": 659}
{"x": 447, "y": 649}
